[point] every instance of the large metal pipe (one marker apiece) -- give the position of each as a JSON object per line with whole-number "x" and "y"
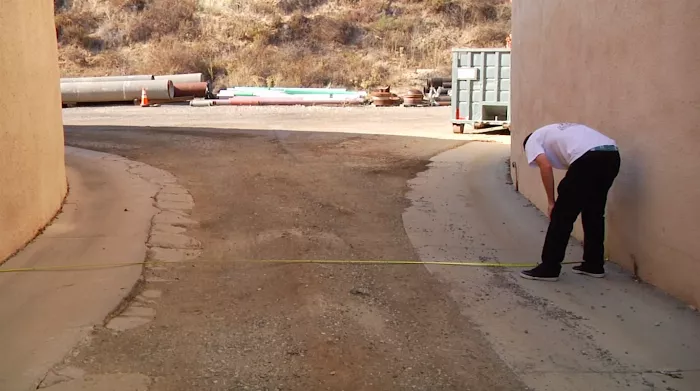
{"x": 184, "y": 78}
{"x": 116, "y": 91}
{"x": 198, "y": 90}
{"x": 105, "y": 78}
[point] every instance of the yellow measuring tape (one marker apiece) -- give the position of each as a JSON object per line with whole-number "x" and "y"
{"x": 270, "y": 261}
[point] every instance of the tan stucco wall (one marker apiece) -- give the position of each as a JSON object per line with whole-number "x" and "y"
{"x": 632, "y": 70}
{"x": 32, "y": 172}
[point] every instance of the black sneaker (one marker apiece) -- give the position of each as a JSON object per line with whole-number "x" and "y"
{"x": 588, "y": 270}
{"x": 540, "y": 273}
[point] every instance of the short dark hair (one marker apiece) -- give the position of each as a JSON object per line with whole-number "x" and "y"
{"x": 526, "y": 138}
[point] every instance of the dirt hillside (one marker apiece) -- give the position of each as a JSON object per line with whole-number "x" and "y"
{"x": 352, "y": 43}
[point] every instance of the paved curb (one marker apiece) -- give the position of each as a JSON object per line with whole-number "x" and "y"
{"x": 166, "y": 241}
{"x": 106, "y": 218}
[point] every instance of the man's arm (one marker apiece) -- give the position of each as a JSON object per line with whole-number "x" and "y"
{"x": 547, "y": 179}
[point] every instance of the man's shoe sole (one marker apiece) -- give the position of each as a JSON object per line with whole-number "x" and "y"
{"x": 551, "y": 279}
{"x": 594, "y": 275}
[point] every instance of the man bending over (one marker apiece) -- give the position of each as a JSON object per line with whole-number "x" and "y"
{"x": 592, "y": 162}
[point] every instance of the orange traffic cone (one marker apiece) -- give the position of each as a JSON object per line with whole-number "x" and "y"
{"x": 144, "y": 98}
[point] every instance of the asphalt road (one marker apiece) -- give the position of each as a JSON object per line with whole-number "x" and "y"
{"x": 268, "y": 194}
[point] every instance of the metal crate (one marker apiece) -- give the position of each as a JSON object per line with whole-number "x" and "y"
{"x": 480, "y": 88}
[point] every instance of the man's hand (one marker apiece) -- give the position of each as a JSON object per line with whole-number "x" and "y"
{"x": 547, "y": 180}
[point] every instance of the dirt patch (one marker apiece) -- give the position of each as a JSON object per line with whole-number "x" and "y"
{"x": 229, "y": 325}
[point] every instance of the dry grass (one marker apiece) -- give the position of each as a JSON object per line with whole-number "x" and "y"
{"x": 165, "y": 18}
{"x": 354, "y": 43}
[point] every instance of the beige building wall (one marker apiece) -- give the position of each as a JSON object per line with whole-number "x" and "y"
{"x": 632, "y": 70}
{"x": 32, "y": 171}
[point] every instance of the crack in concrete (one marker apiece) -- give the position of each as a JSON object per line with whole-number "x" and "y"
{"x": 168, "y": 224}
{"x": 166, "y": 242}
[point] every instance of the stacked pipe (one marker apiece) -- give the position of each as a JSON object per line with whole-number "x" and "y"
{"x": 274, "y": 101}
{"x": 439, "y": 89}
{"x": 262, "y": 96}
{"x": 128, "y": 88}
{"x": 439, "y": 82}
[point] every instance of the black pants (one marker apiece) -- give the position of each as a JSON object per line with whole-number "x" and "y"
{"x": 583, "y": 190}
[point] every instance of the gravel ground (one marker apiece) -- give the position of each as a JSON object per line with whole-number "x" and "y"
{"x": 274, "y": 194}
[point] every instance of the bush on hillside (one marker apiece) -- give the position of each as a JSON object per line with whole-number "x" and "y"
{"x": 73, "y": 27}
{"x": 488, "y": 35}
{"x": 161, "y": 18}
{"x": 290, "y": 6}
{"x": 169, "y": 55}
{"x": 463, "y": 13}
{"x": 129, "y": 5}
{"x": 315, "y": 32}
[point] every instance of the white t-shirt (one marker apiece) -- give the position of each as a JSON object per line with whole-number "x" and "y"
{"x": 563, "y": 143}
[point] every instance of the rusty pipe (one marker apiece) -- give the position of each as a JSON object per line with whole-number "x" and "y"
{"x": 198, "y": 90}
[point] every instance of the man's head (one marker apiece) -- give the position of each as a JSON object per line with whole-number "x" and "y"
{"x": 526, "y": 138}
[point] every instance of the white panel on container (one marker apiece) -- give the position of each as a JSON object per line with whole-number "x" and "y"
{"x": 505, "y": 59}
{"x": 476, "y": 59}
{"x": 463, "y": 85}
{"x": 476, "y": 86}
{"x": 490, "y": 85}
{"x": 464, "y": 60}
{"x": 491, "y": 72}
{"x": 504, "y": 96}
{"x": 463, "y": 96}
{"x": 476, "y": 96}
{"x": 491, "y": 96}
{"x": 464, "y": 111}
{"x": 491, "y": 58}
{"x": 467, "y": 73}
{"x": 505, "y": 85}
{"x": 505, "y": 72}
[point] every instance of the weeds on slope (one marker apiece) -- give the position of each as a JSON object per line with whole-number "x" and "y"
{"x": 360, "y": 43}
